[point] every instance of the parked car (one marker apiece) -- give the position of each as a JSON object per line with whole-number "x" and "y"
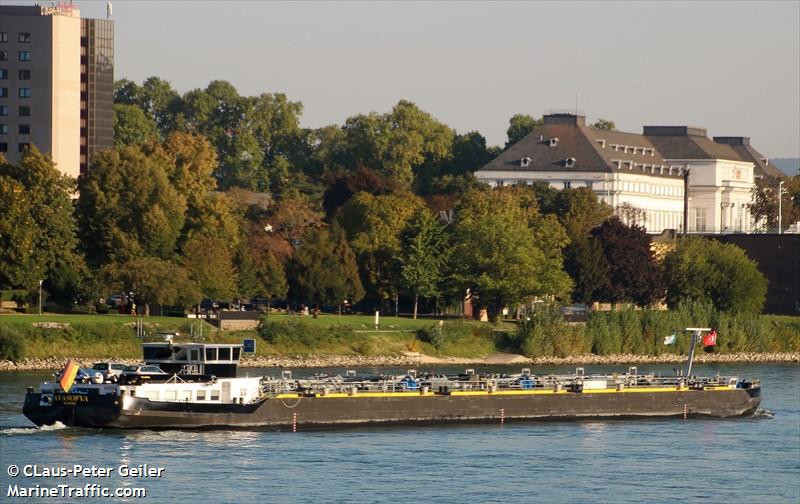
{"x": 138, "y": 374}
{"x": 109, "y": 370}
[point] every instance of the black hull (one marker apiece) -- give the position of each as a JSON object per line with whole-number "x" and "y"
{"x": 326, "y": 412}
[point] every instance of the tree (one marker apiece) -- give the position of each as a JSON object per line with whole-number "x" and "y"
{"x": 633, "y": 273}
{"x": 210, "y": 266}
{"x": 374, "y": 225}
{"x": 132, "y": 126}
{"x": 506, "y": 250}
{"x": 519, "y": 126}
{"x": 398, "y": 145}
{"x": 764, "y": 208}
{"x": 127, "y": 207}
{"x": 423, "y": 257}
{"x": 323, "y": 270}
{"x": 152, "y": 280}
{"x": 604, "y": 124}
{"x": 700, "y": 270}
{"x": 579, "y": 211}
{"x": 38, "y": 230}
{"x": 587, "y": 266}
{"x": 261, "y": 275}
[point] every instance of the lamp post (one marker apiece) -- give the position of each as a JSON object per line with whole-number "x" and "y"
{"x": 780, "y": 207}
{"x": 40, "y": 296}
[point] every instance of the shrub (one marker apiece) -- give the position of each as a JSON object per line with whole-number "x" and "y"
{"x": 12, "y": 346}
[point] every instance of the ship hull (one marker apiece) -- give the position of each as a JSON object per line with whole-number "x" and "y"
{"x": 285, "y": 413}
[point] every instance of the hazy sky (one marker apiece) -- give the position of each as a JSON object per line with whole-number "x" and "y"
{"x": 731, "y": 67}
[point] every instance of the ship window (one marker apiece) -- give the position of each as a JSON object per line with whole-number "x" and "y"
{"x": 186, "y": 395}
{"x": 225, "y": 354}
{"x": 211, "y": 354}
{"x": 195, "y": 355}
{"x": 170, "y": 395}
{"x": 215, "y": 395}
{"x": 152, "y": 395}
{"x": 156, "y": 353}
{"x": 236, "y": 353}
{"x": 201, "y": 395}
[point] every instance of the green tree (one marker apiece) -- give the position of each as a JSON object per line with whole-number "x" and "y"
{"x": 152, "y": 280}
{"x": 210, "y": 266}
{"x": 423, "y": 257}
{"x": 506, "y": 250}
{"x": 764, "y": 208}
{"x": 262, "y": 275}
{"x": 38, "y": 222}
{"x": 127, "y": 207}
{"x": 399, "y": 144}
{"x": 519, "y": 126}
{"x": 374, "y": 225}
{"x": 323, "y": 270}
{"x": 633, "y": 272}
{"x": 604, "y": 124}
{"x": 132, "y": 126}
{"x": 586, "y": 264}
{"x": 703, "y": 270}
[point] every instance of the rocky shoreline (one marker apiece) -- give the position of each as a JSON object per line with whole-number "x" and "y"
{"x": 416, "y": 359}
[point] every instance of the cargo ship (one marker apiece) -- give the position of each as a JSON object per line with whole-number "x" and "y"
{"x": 198, "y": 387}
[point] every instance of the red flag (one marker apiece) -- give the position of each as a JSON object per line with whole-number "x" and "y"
{"x": 710, "y": 339}
{"x": 68, "y": 375}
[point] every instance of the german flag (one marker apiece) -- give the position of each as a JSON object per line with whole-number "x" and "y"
{"x": 68, "y": 375}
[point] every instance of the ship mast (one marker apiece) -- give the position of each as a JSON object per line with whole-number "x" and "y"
{"x": 696, "y": 333}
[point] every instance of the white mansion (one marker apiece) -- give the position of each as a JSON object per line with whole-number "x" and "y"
{"x": 640, "y": 174}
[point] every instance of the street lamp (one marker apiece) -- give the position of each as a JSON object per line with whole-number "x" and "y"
{"x": 780, "y": 207}
{"x": 40, "y": 296}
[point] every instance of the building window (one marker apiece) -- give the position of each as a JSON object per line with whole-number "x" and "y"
{"x": 3, "y": 74}
{"x": 3, "y": 36}
{"x": 3, "y": 147}
{"x": 567, "y": 184}
{"x": 24, "y": 129}
{"x": 24, "y": 111}
{"x": 24, "y": 74}
{"x": 3, "y": 55}
{"x": 3, "y": 129}
{"x": 24, "y": 55}
{"x": 24, "y": 92}
{"x": 24, "y": 146}
{"x": 3, "y": 92}
{"x": 699, "y": 219}
{"x": 3, "y": 110}
{"x": 25, "y": 38}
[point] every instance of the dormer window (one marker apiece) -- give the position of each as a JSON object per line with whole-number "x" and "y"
{"x": 553, "y": 142}
{"x": 525, "y": 162}
{"x": 569, "y": 162}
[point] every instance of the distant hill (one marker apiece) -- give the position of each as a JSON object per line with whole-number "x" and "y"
{"x": 789, "y": 166}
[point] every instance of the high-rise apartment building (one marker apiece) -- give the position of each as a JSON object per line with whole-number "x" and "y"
{"x": 56, "y": 84}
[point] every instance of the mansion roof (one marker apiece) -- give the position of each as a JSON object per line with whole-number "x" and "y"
{"x": 747, "y": 153}
{"x": 565, "y": 143}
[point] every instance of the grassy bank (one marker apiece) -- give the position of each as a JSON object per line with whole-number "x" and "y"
{"x": 606, "y": 333}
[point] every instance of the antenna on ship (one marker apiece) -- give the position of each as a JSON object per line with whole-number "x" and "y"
{"x": 696, "y": 333}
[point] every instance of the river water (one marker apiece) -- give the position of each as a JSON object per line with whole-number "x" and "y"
{"x": 637, "y": 461}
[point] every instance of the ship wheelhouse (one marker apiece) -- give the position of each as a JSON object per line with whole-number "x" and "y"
{"x": 218, "y": 359}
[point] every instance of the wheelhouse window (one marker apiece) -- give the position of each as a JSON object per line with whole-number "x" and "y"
{"x": 211, "y": 354}
{"x": 225, "y": 354}
{"x": 236, "y": 352}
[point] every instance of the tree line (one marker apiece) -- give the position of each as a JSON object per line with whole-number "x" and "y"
{"x": 211, "y": 194}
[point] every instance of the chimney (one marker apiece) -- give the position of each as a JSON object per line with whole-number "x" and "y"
{"x": 674, "y": 131}
{"x": 565, "y": 118}
{"x": 732, "y": 140}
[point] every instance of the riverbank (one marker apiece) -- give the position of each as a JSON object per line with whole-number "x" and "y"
{"x": 417, "y": 359}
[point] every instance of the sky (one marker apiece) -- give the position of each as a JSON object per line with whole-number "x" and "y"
{"x": 730, "y": 67}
